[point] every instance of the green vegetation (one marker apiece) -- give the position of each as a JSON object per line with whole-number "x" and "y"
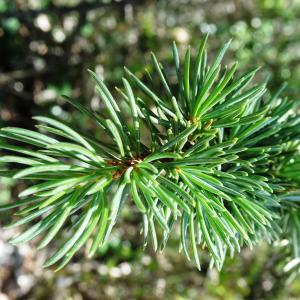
{"x": 222, "y": 159}
{"x": 46, "y": 48}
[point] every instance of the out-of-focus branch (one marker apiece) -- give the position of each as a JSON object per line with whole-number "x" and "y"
{"x": 9, "y": 77}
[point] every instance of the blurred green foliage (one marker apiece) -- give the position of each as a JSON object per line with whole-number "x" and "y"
{"x": 46, "y": 47}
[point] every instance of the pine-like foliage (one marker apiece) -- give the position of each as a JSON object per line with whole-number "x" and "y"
{"x": 208, "y": 153}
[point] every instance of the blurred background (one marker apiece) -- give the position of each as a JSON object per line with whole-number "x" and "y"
{"x": 46, "y": 46}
